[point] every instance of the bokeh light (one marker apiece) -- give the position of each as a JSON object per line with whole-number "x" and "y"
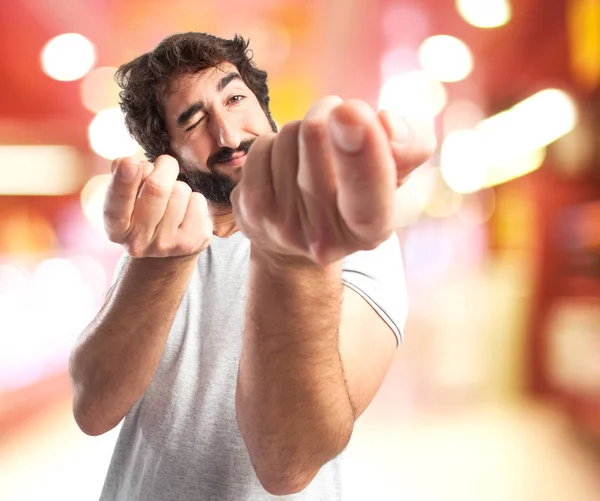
{"x": 445, "y": 57}
{"x": 99, "y": 90}
{"x": 462, "y": 161}
{"x": 92, "y": 200}
{"x": 414, "y": 195}
{"x": 485, "y": 13}
{"x": 460, "y": 115}
{"x": 501, "y": 170}
{"x": 477, "y": 208}
{"x": 397, "y": 61}
{"x": 109, "y": 137}
{"x": 529, "y": 125}
{"x": 68, "y": 57}
{"x": 444, "y": 201}
{"x": 507, "y": 145}
{"x": 39, "y": 170}
{"x": 414, "y": 94}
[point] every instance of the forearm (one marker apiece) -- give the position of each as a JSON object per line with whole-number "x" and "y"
{"x": 293, "y": 406}
{"x": 115, "y": 358}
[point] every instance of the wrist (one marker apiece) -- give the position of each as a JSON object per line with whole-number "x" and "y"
{"x": 278, "y": 263}
{"x": 164, "y": 264}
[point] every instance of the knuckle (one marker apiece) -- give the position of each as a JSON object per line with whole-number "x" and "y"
{"x": 186, "y": 248}
{"x": 323, "y": 105}
{"x": 313, "y": 130}
{"x": 372, "y": 236}
{"x": 112, "y": 236}
{"x": 199, "y": 202}
{"x": 155, "y": 188}
{"x": 162, "y": 246}
{"x": 165, "y": 159}
{"x": 258, "y": 203}
{"x": 260, "y": 150}
{"x": 166, "y": 162}
{"x": 108, "y": 215}
{"x": 134, "y": 249}
{"x": 181, "y": 190}
{"x": 290, "y": 128}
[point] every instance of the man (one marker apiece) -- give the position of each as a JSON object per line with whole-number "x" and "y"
{"x": 262, "y": 298}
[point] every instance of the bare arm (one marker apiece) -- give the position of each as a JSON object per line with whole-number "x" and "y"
{"x": 163, "y": 226}
{"x": 293, "y": 405}
{"x": 314, "y": 354}
{"x": 116, "y": 356}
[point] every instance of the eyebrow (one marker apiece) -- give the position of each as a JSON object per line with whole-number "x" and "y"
{"x": 226, "y": 80}
{"x": 194, "y": 108}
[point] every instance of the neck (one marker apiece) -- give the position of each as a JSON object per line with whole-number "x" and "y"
{"x": 223, "y": 220}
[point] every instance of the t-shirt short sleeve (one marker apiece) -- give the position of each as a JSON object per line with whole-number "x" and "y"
{"x": 378, "y": 276}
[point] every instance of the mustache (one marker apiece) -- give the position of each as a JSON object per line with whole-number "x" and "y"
{"x": 226, "y": 154}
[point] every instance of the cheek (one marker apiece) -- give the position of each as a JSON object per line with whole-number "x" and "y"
{"x": 195, "y": 155}
{"x": 260, "y": 123}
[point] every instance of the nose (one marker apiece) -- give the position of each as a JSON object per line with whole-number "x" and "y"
{"x": 226, "y": 131}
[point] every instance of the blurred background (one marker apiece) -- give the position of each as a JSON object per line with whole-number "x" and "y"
{"x": 495, "y": 392}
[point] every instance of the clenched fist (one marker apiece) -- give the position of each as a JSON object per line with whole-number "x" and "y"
{"x": 152, "y": 214}
{"x": 325, "y": 187}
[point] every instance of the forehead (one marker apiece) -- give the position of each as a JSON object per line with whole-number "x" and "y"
{"x": 190, "y": 88}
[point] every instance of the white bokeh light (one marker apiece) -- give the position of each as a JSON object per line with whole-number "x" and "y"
{"x": 485, "y": 13}
{"x": 530, "y": 125}
{"x": 509, "y": 144}
{"x": 462, "y": 161}
{"x": 68, "y": 57}
{"x": 99, "y": 90}
{"x": 462, "y": 114}
{"x": 414, "y": 195}
{"x": 92, "y": 200}
{"x": 415, "y": 94}
{"x": 109, "y": 136}
{"x": 445, "y": 57}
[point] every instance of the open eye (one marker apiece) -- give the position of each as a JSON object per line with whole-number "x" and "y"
{"x": 236, "y": 99}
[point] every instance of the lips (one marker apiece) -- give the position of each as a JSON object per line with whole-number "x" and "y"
{"x": 236, "y": 159}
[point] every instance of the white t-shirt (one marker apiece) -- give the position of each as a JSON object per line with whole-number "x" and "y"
{"x": 180, "y": 441}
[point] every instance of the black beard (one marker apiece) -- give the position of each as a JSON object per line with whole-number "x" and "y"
{"x": 214, "y": 186}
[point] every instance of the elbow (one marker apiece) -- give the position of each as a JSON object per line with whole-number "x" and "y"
{"x": 291, "y": 475}
{"x": 89, "y": 426}
{"x": 85, "y": 413}
{"x": 285, "y": 483}
{"x": 88, "y": 419}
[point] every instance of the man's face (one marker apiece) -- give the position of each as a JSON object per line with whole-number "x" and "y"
{"x": 212, "y": 118}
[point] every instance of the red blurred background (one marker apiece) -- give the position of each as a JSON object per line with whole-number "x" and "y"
{"x": 495, "y": 392}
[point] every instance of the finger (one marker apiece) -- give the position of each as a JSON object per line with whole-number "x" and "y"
{"x": 146, "y": 167}
{"x": 315, "y": 170}
{"x": 153, "y": 198}
{"x": 120, "y": 197}
{"x": 166, "y": 232}
{"x": 316, "y": 179}
{"x": 197, "y": 217}
{"x": 255, "y": 197}
{"x": 365, "y": 172}
{"x": 323, "y": 107}
{"x": 412, "y": 142}
{"x": 285, "y": 152}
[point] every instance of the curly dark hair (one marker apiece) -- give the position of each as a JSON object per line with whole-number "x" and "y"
{"x": 146, "y": 80}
